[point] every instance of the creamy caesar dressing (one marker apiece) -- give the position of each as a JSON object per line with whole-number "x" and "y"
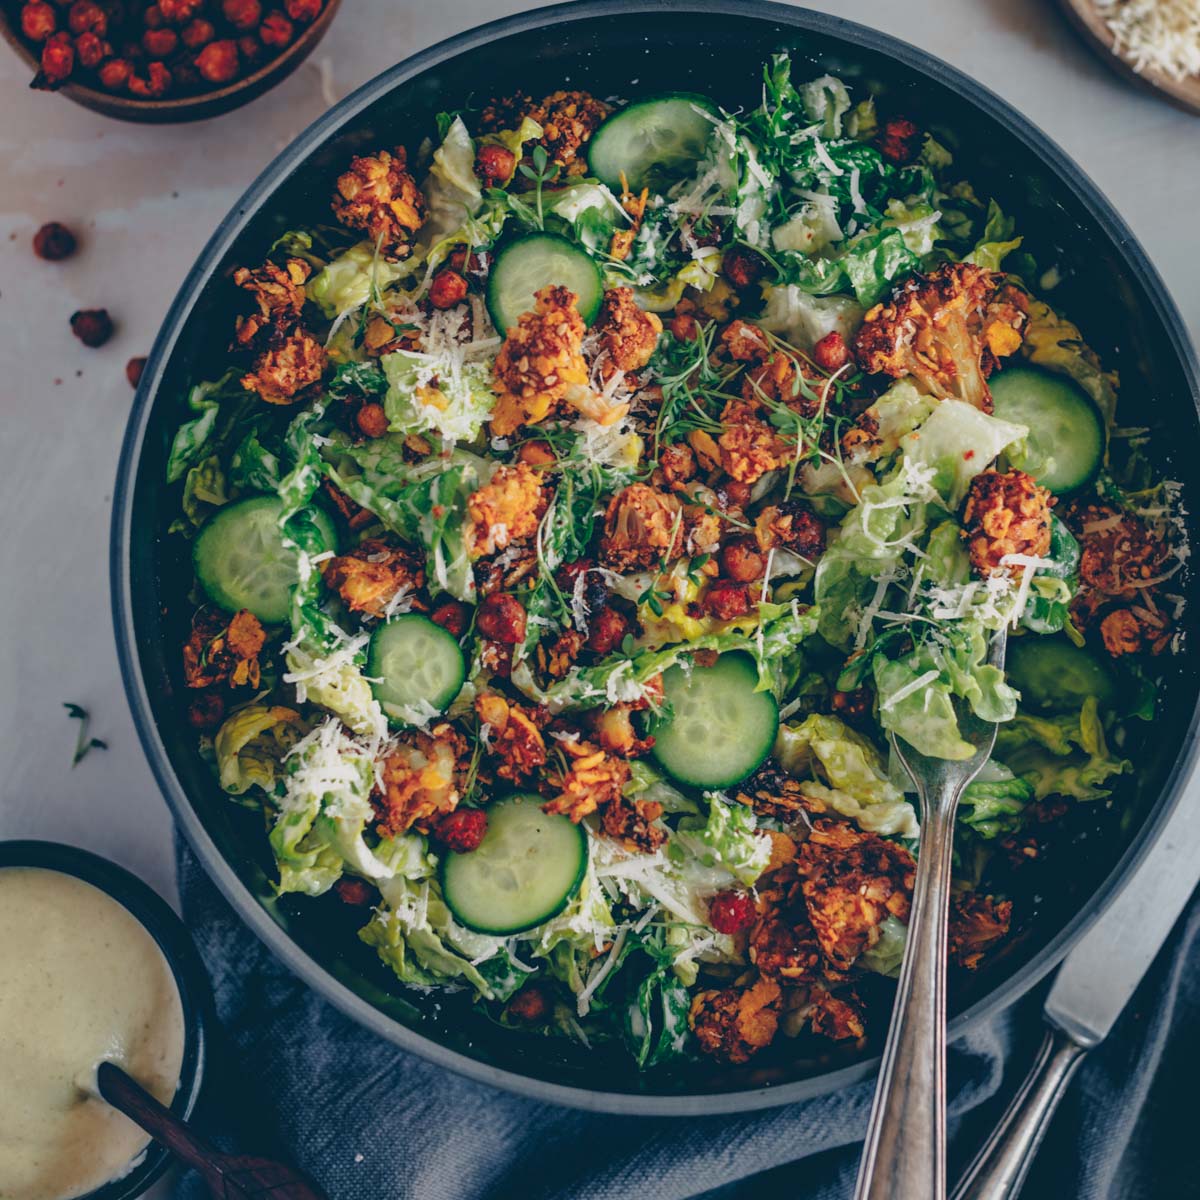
{"x": 81, "y": 981}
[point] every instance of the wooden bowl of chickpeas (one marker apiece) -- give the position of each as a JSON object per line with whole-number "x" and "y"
{"x": 167, "y": 60}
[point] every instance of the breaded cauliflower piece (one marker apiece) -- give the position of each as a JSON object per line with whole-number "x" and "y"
{"x": 784, "y": 379}
{"x": 422, "y": 780}
{"x": 634, "y": 823}
{"x": 642, "y": 528}
{"x": 626, "y": 335}
{"x": 744, "y": 342}
{"x": 851, "y": 880}
{"x": 223, "y": 649}
{"x": 380, "y": 197}
{"x": 977, "y": 922}
{"x": 278, "y": 293}
{"x": 733, "y": 1024}
{"x": 793, "y": 526}
{"x": 947, "y": 330}
{"x": 568, "y": 120}
{"x": 541, "y": 358}
{"x": 369, "y": 577}
{"x": 1120, "y": 561}
{"x": 513, "y": 736}
{"x": 836, "y": 1017}
{"x": 749, "y": 445}
{"x": 592, "y": 779}
{"x": 285, "y": 370}
{"x": 506, "y": 509}
{"x": 1005, "y": 514}
{"x": 782, "y": 942}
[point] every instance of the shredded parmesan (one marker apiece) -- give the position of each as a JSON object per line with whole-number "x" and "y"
{"x": 1156, "y": 35}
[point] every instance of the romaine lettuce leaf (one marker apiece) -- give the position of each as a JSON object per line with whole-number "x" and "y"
{"x": 252, "y": 743}
{"x": 354, "y": 278}
{"x": 727, "y": 838}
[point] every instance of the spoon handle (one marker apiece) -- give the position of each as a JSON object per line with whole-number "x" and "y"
{"x": 125, "y": 1093}
{"x": 905, "y": 1153}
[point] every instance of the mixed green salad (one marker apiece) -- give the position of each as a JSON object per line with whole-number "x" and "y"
{"x": 584, "y": 506}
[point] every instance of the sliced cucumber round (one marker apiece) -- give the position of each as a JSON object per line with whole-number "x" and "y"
{"x": 524, "y": 872}
{"x": 1054, "y": 675}
{"x": 527, "y": 264}
{"x": 1065, "y": 446}
{"x": 653, "y": 141}
{"x": 242, "y": 562}
{"x": 719, "y": 729}
{"x": 414, "y": 666}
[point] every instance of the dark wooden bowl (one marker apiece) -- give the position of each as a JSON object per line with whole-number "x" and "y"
{"x": 185, "y": 108}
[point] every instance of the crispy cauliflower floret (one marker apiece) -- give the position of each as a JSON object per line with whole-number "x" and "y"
{"x": 635, "y": 206}
{"x": 568, "y": 120}
{"x": 1005, "y": 514}
{"x": 278, "y": 293}
{"x": 542, "y": 357}
{"x": 513, "y": 737}
{"x": 946, "y": 329}
{"x": 642, "y": 527}
{"x": 378, "y": 196}
{"x": 785, "y": 379}
{"x": 626, "y": 335}
{"x": 369, "y": 577}
{"x": 592, "y": 779}
{"x": 613, "y": 729}
{"x": 1120, "y": 563}
{"x": 421, "y": 781}
{"x": 744, "y": 342}
{"x": 733, "y": 1024}
{"x": 851, "y": 881}
{"x": 749, "y": 445}
{"x": 282, "y": 372}
{"x": 507, "y": 508}
{"x": 977, "y": 922}
{"x": 836, "y": 1017}
{"x": 773, "y": 793}
{"x": 223, "y": 649}
{"x": 782, "y": 942}
{"x": 793, "y": 526}
{"x": 634, "y": 823}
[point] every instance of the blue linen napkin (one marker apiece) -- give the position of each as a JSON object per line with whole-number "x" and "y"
{"x": 294, "y": 1078}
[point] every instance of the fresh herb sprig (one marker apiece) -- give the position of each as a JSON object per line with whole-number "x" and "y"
{"x": 83, "y": 743}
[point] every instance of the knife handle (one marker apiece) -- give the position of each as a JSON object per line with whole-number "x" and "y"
{"x": 999, "y": 1169}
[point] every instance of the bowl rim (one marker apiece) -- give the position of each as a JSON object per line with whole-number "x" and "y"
{"x": 1067, "y": 172}
{"x": 273, "y": 71}
{"x": 171, "y": 936}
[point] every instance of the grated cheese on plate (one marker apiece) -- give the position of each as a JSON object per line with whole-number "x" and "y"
{"x": 1156, "y": 35}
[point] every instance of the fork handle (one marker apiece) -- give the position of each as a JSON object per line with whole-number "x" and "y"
{"x": 904, "y": 1157}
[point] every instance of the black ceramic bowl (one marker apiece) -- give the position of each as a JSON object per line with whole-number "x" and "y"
{"x": 176, "y": 945}
{"x": 628, "y": 49}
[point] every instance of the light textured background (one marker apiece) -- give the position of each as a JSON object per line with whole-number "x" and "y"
{"x": 144, "y": 200}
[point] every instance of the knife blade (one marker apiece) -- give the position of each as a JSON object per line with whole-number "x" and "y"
{"x": 1100, "y": 975}
{"x": 1093, "y": 986}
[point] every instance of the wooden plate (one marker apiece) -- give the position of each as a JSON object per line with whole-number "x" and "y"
{"x": 1090, "y": 22}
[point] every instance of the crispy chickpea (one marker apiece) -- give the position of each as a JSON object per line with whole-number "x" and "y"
{"x": 250, "y": 49}
{"x": 115, "y": 74}
{"x": 528, "y": 1005}
{"x": 197, "y": 33}
{"x": 276, "y": 30}
{"x": 85, "y": 16}
{"x": 218, "y": 61}
{"x": 206, "y": 711}
{"x": 452, "y": 616}
{"x": 243, "y": 15}
{"x": 372, "y": 421}
{"x": 179, "y": 11}
{"x": 684, "y": 327}
{"x": 160, "y": 43}
{"x": 90, "y": 50}
{"x": 54, "y": 242}
{"x": 495, "y": 165}
{"x": 38, "y": 22}
{"x": 743, "y": 267}
{"x": 92, "y": 326}
{"x": 536, "y": 454}
{"x": 606, "y": 630}
{"x": 502, "y": 619}
{"x": 303, "y": 10}
{"x": 153, "y": 17}
{"x": 742, "y": 560}
{"x": 727, "y": 599}
{"x": 831, "y": 353}
{"x": 447, "y": 289}
{"x": 156, "y": 83}
{"x": 58, "y": 59}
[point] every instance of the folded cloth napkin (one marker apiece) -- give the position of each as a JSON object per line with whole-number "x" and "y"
{"x": 293, "y": 1078}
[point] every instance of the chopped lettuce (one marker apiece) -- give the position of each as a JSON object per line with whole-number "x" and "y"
{"x": 848, "y": 773}
{"x": 353, "y": 279}
{"x": 728, "y": 838}
{"x": 427, "y": 395}
{"x": 252, "y": 743}
{"x": 996, "y": 241}
{"x": 886, "y": 954}
{"x": 994, "y": 802}
{"x": 452, "y": 190}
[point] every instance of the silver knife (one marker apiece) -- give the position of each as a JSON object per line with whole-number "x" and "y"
{"x": 1093, "y": 985}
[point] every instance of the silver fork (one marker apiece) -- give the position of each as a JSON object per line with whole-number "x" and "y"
{"x": 904, "y": 1157}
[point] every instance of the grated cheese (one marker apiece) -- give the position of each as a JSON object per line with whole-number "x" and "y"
{"x": 1156, "y": 35}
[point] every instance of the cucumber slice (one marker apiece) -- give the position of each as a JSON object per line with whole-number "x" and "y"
{"x": 241, "y": 561}
{"x": 524, "y": 872}
{"x": 720, "y": 729}
{"x": 527, "y": 264}
{"x": 654, "y": 141}
{"x": 1054, "y": 675}
{"x": 1066, "y": 433}
{"x": 414, "y": 665}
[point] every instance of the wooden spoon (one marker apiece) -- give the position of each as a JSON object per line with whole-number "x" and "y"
{"x": 1091, "y": 24}
{"x": 229, "y": 1176}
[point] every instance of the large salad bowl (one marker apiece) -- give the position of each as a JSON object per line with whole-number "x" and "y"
{"x": 612, "y": 47}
